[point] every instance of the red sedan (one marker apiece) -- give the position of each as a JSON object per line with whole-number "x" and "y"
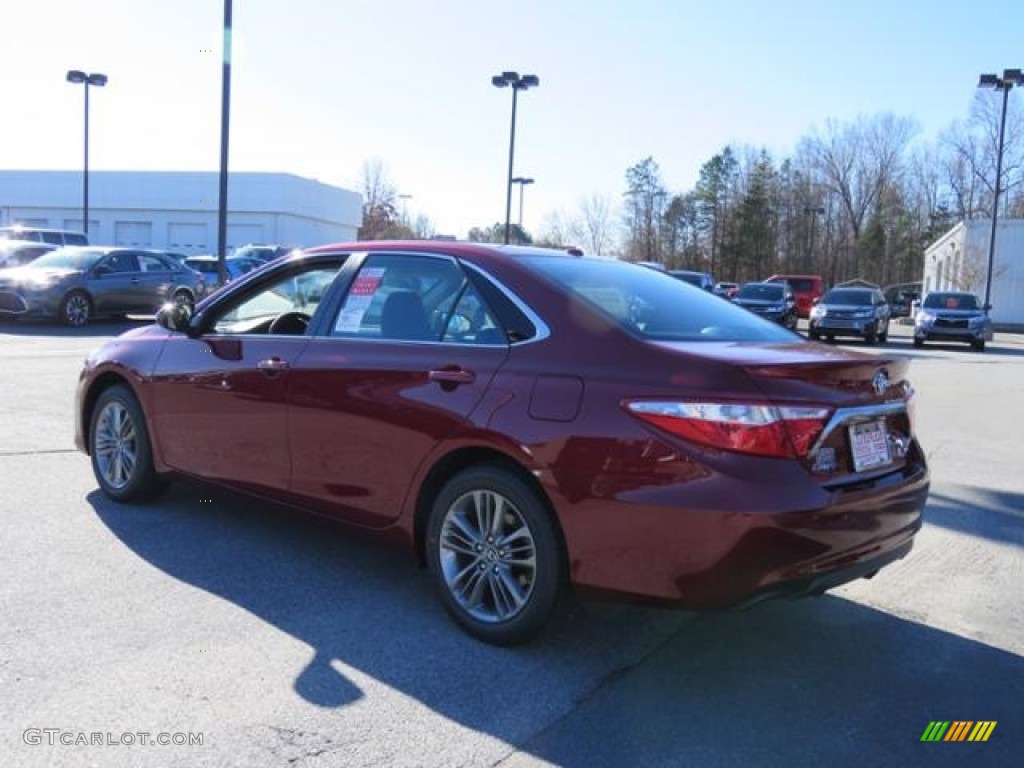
{"x": 525, "y": 422}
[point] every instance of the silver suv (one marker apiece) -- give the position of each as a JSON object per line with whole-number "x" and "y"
{"x": 56, "y": 237}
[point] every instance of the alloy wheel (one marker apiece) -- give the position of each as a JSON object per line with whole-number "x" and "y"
{"x": 116, "y": 445}
{"x": 76, "y": 309}
{"x": 488, "y": 556}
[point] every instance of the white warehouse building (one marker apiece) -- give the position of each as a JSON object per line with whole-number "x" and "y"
{"x": 177, "y": 211}
{"x": 958, "y": 261}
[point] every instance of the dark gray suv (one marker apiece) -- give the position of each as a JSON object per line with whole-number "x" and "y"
{"x": 849, "y": 311}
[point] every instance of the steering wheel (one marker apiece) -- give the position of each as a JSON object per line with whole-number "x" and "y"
{"x": 289, "y": 323}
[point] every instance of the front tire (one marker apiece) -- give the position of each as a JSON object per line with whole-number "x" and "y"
{"x": 494, "y": 555}
{"x": 122, "y": 455}
{"x": 978, "y": 346}
{"x": 75, "y": 309}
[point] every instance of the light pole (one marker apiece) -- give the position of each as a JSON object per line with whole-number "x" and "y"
{"x": 814, "y": 212}
{"x": 405, "y": 208}
{"x": 99, "y": 80}
{"x": 517, "y": 83}
{"x": 1010, "y": 78}
{"x": 225, "y": 123}
{"x": 522, "y": 181}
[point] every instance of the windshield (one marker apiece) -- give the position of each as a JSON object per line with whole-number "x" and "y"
{"x": 851, "y": 297}
{"x": 656, "y": 305}
{"x": 67, "y": 258}
{"x": 950, "y": 301}
{"x": 762, "y": 291}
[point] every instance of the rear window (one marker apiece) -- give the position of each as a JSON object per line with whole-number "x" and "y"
{"x": 950, "y": 301}
{"x": 656, "y": 305}
{"x": 798, "y": 284}
{"x": 764, "y": 291}
{"x": 853, "y": 298}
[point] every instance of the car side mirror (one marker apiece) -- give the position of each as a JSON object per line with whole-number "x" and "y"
{"x": 101, "y": 270}
{"x": 988, "y": 307}
{"x": 175, "y": 317}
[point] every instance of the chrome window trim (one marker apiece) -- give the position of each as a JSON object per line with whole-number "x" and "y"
{"x": 856, "y": 415}
{"x": 543, "y": 330}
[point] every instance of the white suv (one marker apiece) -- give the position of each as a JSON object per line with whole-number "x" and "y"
{"x": 41, "y": 235}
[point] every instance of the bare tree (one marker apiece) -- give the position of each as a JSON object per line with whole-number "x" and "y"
{"x": 380, "y": 212}
{"x": 596, "y": 224}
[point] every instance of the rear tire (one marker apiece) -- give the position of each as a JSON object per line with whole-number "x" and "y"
{"x": 978, "y": 346}
{"x": 918, "y": 342}
{"x": 119, "y": 445}
{"x": 494, "y": 554}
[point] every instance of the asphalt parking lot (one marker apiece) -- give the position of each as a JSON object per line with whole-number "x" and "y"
{"x": 278, "y": 640}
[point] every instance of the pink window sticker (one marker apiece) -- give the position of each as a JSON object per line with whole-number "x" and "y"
{"x": 951, "y": 302}
{"x": 367, "y": 282}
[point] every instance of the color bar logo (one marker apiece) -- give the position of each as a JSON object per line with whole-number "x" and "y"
{"x": 958, "y": 730}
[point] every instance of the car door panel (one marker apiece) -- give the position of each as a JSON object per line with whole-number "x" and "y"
{"x": 364, "y": 414}
{"x": 220, "y": 405}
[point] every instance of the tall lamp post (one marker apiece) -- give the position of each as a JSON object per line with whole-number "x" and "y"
{"x": 93, "y": 78}
{"x": 517, "y": 83}
{"x": 814, "y": 211}
{"x": 225, "y": 124}
{"x": 405, "y": 208}
{"x": 522, "y": 181}
{"x": 1010, "y": 78}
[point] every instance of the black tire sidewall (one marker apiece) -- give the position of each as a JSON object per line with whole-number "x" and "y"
{"x": 144, "y": 482}
{"x": 550, "y": 587}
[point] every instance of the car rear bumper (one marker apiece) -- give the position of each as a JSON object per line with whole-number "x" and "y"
{"x": 702, "y": 558}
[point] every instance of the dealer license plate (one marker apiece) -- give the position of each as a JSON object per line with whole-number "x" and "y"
{"x": 870, "y": 445}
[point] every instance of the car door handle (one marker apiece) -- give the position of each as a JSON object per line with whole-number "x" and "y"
{"x": 136, "y": 280}
{"x": 452, "y": 376}
{"x": 272, "y": 365}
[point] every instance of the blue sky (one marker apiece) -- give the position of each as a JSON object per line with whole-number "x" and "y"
{"x": 320, "y": 86}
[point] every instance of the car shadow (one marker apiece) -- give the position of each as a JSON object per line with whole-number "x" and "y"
{"x": 691, "y": 690}
{"x": 990, "y": 514}
{"x": 823, "y": 682}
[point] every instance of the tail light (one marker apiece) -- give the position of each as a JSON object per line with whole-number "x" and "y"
{"x": 762, "y": 430}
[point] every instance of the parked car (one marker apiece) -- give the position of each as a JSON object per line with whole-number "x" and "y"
{"x": 807, "y": 289}
{"x": 700, "y": 279}
{"x": 772, "y": 301}
{"x": 953, "y": 316}
{"x": 726, "y": 290}
{"x": 862, "y": 312}
{"x": 261, "y": 252}
{"x": 75, "y": 284}
{"x": 15, "y": 253}
{"x": 901, "y": 303}
{"x": 501, "y": 414}
{"x": 207, "y": 266}
{"x": 655, "y": 265}
{"x": 55, "y": 237}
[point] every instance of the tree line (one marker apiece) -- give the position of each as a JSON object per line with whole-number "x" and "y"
{"x": 862, "y": 198}
{"x": 857, "y": 199}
